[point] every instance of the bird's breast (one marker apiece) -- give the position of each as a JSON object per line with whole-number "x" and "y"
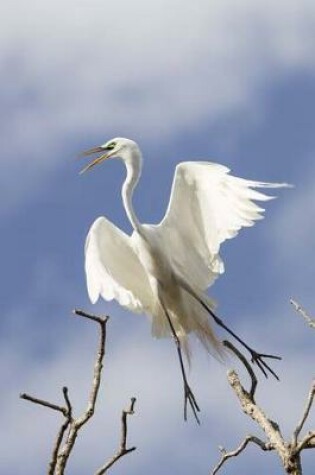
{"x": 153, "y": 255}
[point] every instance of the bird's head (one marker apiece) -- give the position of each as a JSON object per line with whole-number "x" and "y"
{"x": 122, "y": 148}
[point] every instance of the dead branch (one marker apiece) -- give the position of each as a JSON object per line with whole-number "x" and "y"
{"x": 44, "y": 403}
{"x": 71, "y": 426}
{"x": 289, "y": 452}
{"x": 61, "y": 433}
{"x": 305, "y": 414}
{"x": 227, "y": 455}
{"x": 308, "y": 442}
{"x": 123, "y": 450}
{"x": 300, "y": 310}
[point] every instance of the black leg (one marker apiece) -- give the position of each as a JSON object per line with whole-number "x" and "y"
{"x": 188, "y": 394}
{"x": 256, "y": 358}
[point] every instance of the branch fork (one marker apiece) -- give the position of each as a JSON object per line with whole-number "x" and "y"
{"x": 289, "y": 452}
{"x": 71, "y": 426}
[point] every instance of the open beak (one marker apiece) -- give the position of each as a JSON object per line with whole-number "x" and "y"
{"x": 97, "y": 160}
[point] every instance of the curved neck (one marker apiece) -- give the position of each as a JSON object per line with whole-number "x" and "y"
{"x": 133, "y": 166}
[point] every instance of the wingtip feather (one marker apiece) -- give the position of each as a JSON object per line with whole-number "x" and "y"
{"x": 272, "y": 185}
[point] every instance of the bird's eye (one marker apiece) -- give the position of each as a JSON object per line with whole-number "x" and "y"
{"x": 111, "y": 146}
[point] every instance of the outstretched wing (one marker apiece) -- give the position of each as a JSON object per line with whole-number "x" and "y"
{"x": 113, "y": 269}
{"x": 207, "y": 206}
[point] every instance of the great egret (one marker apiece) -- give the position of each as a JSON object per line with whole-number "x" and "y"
{"x": 164, "y": 270}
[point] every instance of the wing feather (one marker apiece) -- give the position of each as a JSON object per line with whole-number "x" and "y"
{"x": 208, "y": 206}
{"x": 113, "y": 269}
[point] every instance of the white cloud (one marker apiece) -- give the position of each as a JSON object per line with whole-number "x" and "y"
{"x": 144, "y": 69}
{"x": 297, "y": 221}
{"x": 292, "y": 235}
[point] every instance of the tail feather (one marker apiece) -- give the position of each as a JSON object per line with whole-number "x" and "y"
{"x": 200, "y": 325}
{"x": 188, "y": 316}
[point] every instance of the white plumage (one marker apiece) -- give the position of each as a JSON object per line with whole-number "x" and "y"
{"x": 164, "y": 270}
{"x": 207, "y": 206}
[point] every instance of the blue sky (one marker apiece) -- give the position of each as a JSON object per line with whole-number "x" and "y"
{"x": 228, "y": 81}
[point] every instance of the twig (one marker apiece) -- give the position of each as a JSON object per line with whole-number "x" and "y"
{"x": 300, "y": 310}
{"x": 61, "y": 433}
{"x": 44, "y": 403}
{"x": 95, "y": 318}
{"x": 123, "y": 450}
{"x": 67, "y": 413}
{"x": 67, "y": 401}
{"x": 305, "y": 414}
{"x": 307, "y": 443}
{"x": 227, "y": 455}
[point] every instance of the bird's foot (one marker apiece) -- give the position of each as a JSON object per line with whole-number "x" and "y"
{"x": 256, "y": 358}
{"x": 189, "y": 397}
{"x": 259, "y": 360}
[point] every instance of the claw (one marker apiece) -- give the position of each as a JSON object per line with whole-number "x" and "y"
{"x": 188, "y": 394}
{"x": 257, "y": 358}
{"x": 189, "y": 397}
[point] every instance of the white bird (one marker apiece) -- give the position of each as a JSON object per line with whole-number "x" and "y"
{"x": 164, "y": 270}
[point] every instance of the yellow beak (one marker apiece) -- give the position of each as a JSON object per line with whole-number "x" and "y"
{"x": 97, "y": 160}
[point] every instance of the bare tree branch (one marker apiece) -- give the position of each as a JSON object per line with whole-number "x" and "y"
{"x": 227, "y": 455}
{"x": 67, "y": 401}
{"x": 71, "y": 426}
{"x": 300, "y": 310}
{"x": 44, "y": 403}
{"x": 90, "y": 316}
{"x": 67, "y": 413}
{"x": 250, "y": 408}
{"x": 305, "y": 414}
{"x": 76, "y": 424}
{"x": 123, "y": 450}
{"x": 307, "y": 443}
{"x": 289, "y": 452}
{"x": 61, "y": 433}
